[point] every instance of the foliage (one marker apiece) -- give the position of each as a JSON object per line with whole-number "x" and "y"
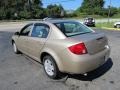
{"x": 105, "y": 24}
{"x": 96, "y": 7}
{"x": 55, "y": 11}
{"x": 28, "y": 9}
{"x": 91, "y": 6}
{"x": 32, "y": 9}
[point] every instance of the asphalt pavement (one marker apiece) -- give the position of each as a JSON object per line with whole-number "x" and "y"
{"x": 19, "y": 72}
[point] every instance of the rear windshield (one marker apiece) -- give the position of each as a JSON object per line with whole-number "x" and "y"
{"x": 90, "y": 18}
{"x": 73, "y": 28}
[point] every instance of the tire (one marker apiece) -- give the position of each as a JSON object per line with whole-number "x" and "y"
{"x": 50, "y": 67}
{"x": 118, "y": 26}
{"x": 94, "y": 25}
{"x": 16, "y": 51}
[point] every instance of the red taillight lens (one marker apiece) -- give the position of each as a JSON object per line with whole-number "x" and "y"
{"x": 78, "y": 49}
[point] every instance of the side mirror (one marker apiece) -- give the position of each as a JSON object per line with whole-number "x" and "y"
{"x": 17, "y": 33}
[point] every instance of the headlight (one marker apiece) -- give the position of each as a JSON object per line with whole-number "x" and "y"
{"x": 114, "y": 24}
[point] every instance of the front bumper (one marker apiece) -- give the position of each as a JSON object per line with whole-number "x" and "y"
{"x": 80, "y": 64}
{"x": 114, "y": 26}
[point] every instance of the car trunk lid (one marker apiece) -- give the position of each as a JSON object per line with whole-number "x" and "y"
{"x": 94, "y": 42}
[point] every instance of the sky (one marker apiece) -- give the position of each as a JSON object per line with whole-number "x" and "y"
{"x": 74, "y": 4}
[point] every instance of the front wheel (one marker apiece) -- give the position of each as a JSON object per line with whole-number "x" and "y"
{"x": 50, "y": 67}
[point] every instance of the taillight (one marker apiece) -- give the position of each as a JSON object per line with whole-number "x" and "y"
{"x": 78, "y": 49}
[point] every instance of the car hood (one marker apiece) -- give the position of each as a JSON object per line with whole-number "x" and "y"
{"x": 116, "y": 23}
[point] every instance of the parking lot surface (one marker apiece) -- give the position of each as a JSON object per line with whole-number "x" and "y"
{"x": 19, "y": 72}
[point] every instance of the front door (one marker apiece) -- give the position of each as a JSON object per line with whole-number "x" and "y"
{"x": 23, "y": 38}
{"x": 37, "y": 40}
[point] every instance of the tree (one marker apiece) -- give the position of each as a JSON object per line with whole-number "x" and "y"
{"x": 37, "y": 10}
{"x": 91, "y": 6}
{"x": 17, "y": 9}
{"x": 55, "y": 11}
{"x": 113, "y": 11}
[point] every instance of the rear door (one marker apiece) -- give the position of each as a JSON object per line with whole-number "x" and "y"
{"x": 37, "y": 40}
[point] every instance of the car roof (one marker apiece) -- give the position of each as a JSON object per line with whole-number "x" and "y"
{"x": 53, "y": 21}
{"x": 58, "y": 20}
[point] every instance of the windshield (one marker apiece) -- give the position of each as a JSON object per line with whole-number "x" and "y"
{"x": 73, "y": 28}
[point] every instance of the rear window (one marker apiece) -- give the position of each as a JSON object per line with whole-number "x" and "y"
{"x": 73, "y": 28}
{"x": 90, "y": 18}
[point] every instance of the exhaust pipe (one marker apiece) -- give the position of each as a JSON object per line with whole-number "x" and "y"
{"x": 85, "y": 74}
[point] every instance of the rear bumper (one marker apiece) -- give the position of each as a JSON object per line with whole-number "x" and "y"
{"x": 90, "y": 24}
{"x": 81, "y": 64}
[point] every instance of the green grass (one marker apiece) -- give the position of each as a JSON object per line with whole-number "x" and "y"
{"x": 105, "y": 24}
{"x": 84, "y": 16}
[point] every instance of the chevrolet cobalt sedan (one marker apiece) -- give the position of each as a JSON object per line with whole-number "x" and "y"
{"x": 62, "y": 46}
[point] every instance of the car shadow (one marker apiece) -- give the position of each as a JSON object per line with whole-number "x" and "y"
{"x": 94, "y": 74}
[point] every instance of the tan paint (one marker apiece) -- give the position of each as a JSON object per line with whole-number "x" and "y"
{"x": 56, "y": 44}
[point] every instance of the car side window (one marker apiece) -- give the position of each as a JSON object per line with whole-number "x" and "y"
{"x": 26, "y": 30}
{"x": 40, "y": 30}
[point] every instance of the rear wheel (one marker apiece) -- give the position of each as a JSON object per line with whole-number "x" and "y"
{"x": 118, "y": 25}
{"x": 50, "y": 67}
{"x": 15, "y": 48}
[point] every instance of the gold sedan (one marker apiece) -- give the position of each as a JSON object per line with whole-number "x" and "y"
{"x": 62, "y": 46}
